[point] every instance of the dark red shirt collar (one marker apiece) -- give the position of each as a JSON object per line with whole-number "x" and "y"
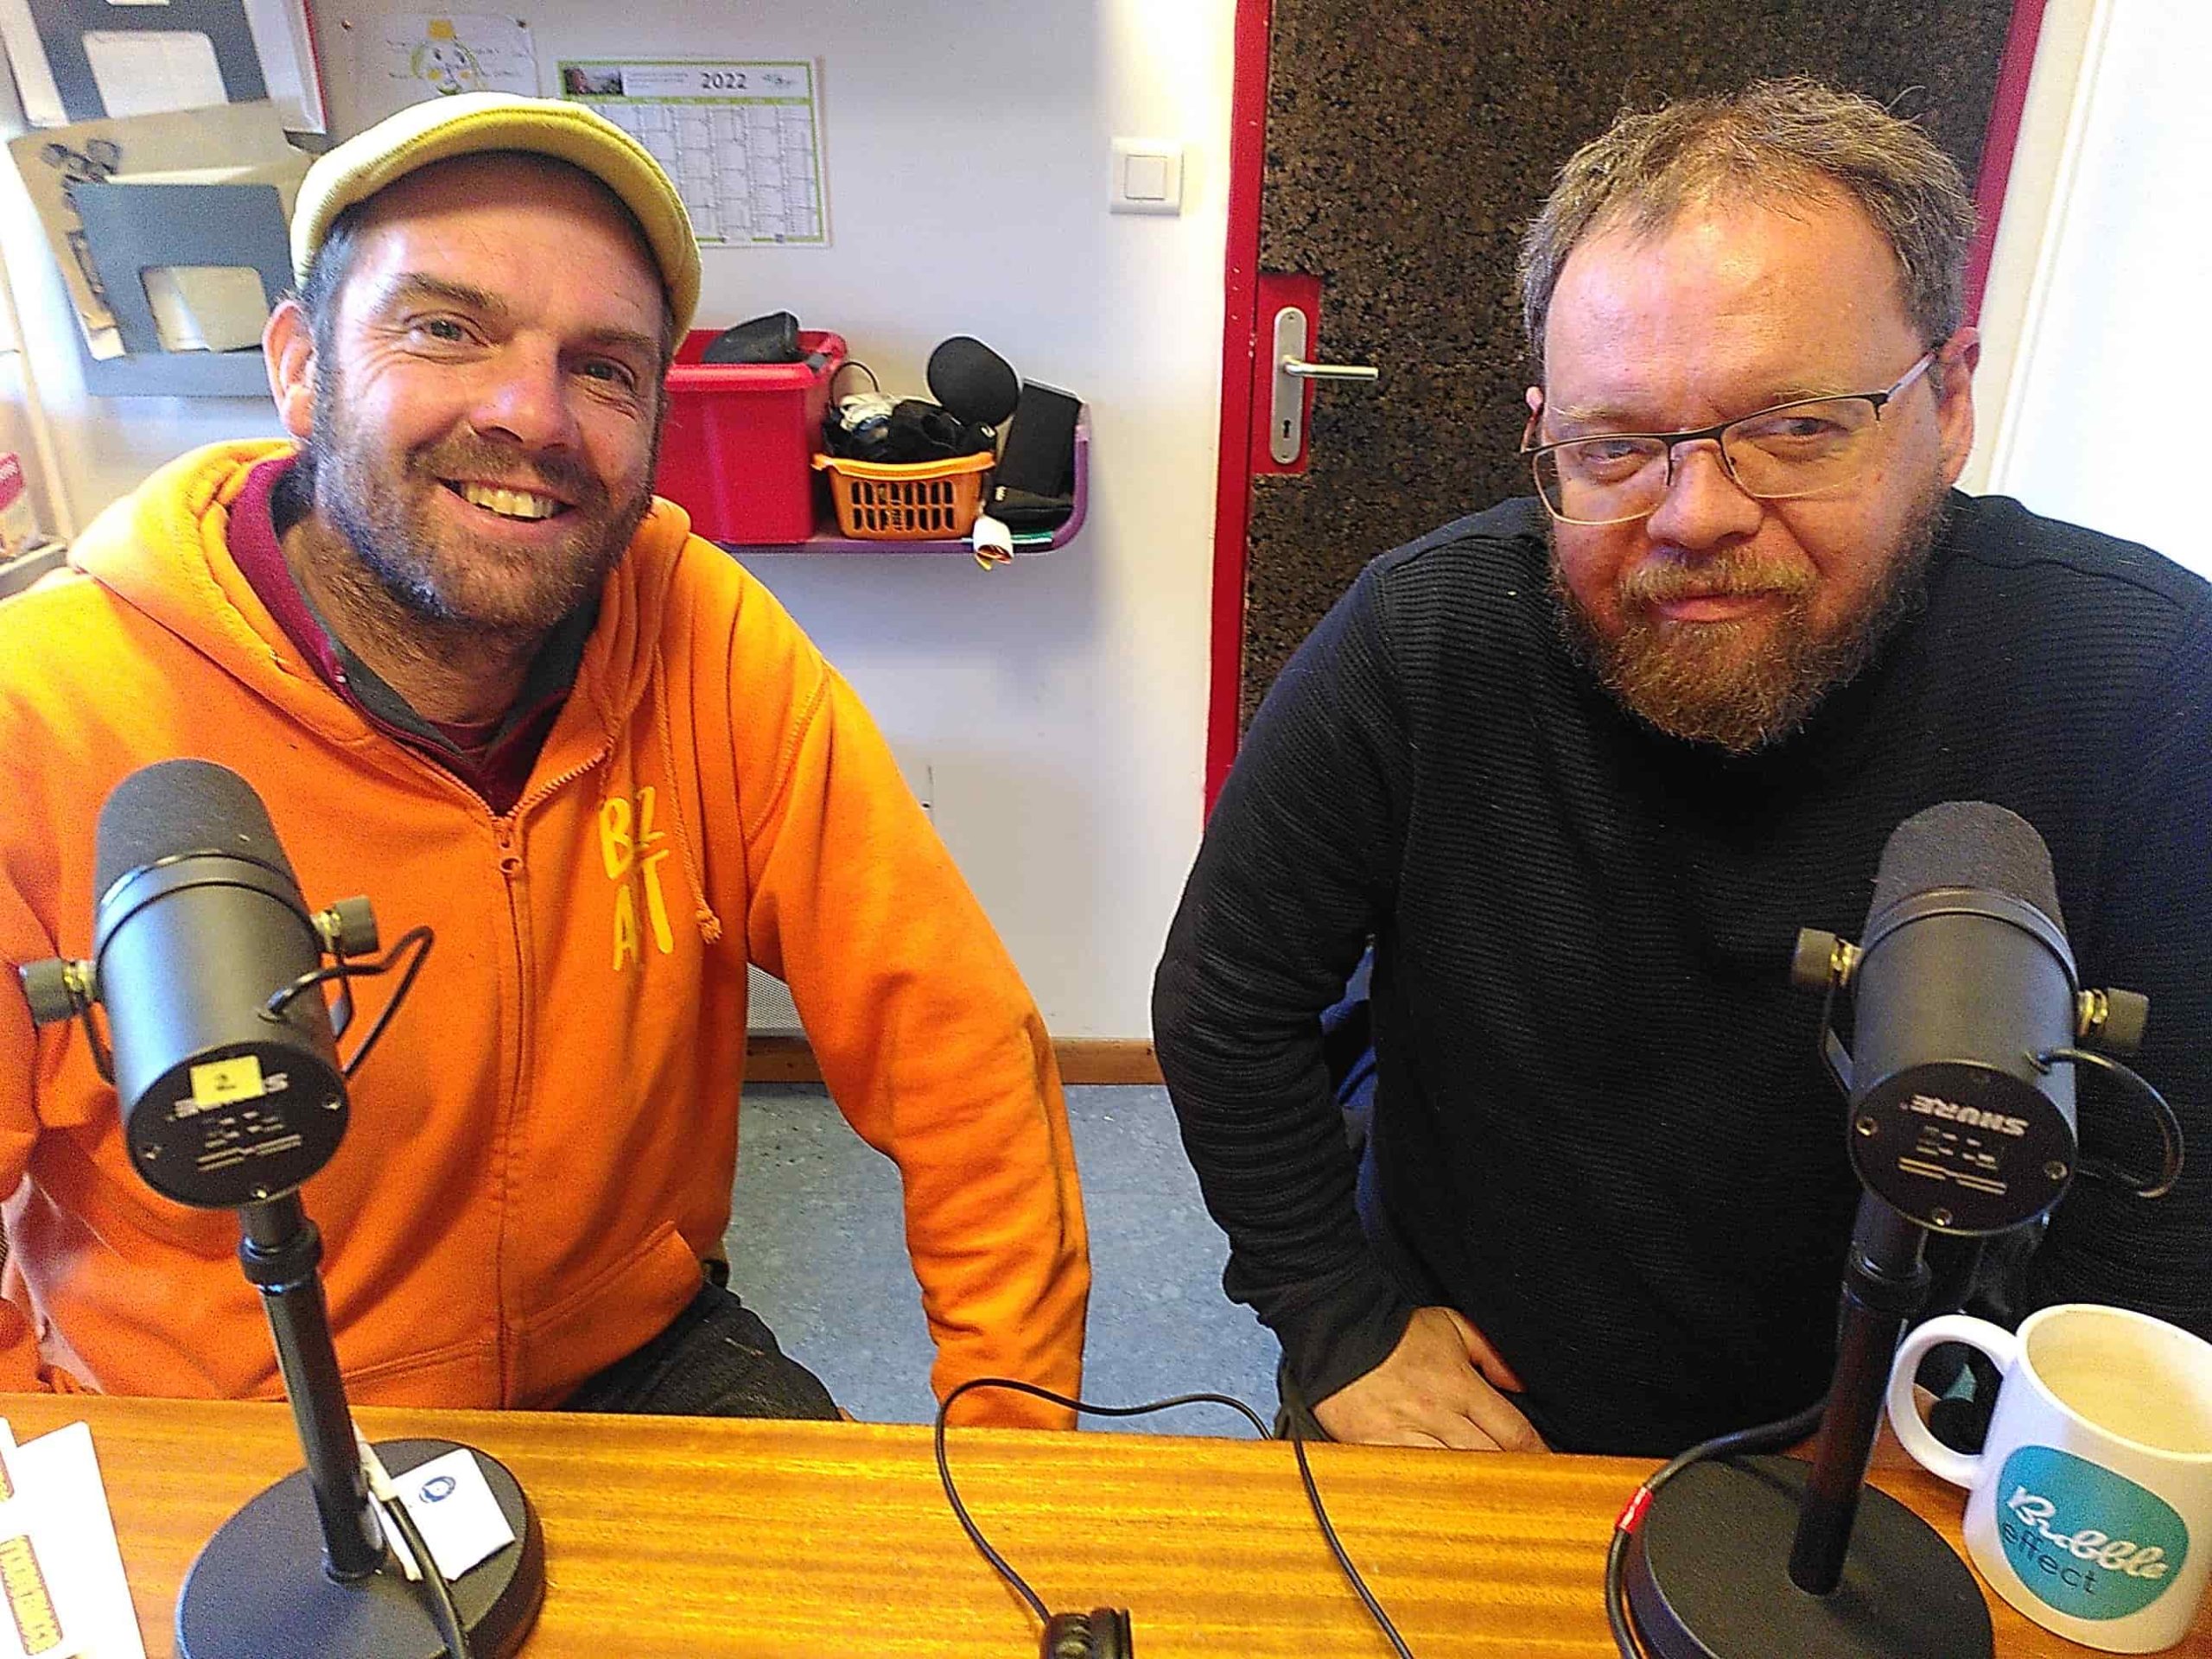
{"x": 494, "y": 760}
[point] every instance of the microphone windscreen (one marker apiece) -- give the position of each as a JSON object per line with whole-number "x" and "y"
{"x": 174, "y": 808}
{"x": 973, "y": 382}
{"x": 1967, "y": 844}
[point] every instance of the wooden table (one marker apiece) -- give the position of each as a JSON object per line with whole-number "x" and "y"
{"x": 668, "y": 1537}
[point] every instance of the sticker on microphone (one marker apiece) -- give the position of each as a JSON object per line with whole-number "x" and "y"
{"x": 218, "y": 1083}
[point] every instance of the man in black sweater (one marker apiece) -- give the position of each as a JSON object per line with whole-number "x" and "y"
{"x": 1581, "y": 766}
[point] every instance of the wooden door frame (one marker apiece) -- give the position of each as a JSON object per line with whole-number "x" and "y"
{"x": 1248, "y": 151}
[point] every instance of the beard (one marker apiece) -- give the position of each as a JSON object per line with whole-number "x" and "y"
{"x": 1743, "y": 685}
{"x": 437, "y": 573}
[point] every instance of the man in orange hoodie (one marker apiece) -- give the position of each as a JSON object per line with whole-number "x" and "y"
{"x": 479, "y": 671}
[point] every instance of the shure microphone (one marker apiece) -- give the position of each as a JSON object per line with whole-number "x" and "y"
{"x": 199, "y": 927}
{"x": 1966, "y": 1008}
{"x": 1962, "y": 979}
{"x": 225, "y": 1061}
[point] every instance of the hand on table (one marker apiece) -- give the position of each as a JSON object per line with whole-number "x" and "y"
{"x": 1440, "y": 1387}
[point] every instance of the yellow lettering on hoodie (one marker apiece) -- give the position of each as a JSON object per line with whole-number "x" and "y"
{"x": 626, "y": 926}
{"x": 615, "y": 850}
{"x": 656, "y": 906}
{"x": 619, "y": 853}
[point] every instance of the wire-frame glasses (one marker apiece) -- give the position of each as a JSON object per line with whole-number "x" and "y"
{"x": 1805, "y": 447}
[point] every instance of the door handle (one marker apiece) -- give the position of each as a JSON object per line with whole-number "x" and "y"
{"x": 1287, "y": 409}
{"x": 1303, "y": 371}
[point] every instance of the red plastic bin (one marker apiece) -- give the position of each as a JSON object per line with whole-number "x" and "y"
{"x": 737, "y": 453}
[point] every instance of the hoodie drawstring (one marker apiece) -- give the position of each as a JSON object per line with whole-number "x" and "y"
{"x": 710, "y": 925}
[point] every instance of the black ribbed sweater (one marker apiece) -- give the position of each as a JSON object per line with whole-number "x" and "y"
{"x": 1601, "y": 1129}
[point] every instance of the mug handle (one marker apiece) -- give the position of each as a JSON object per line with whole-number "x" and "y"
{"x": 1959, "y": 1468}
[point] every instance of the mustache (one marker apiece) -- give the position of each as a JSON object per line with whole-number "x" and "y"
{"x": 549, "y": 473}
{"x": 1659, "y": 582}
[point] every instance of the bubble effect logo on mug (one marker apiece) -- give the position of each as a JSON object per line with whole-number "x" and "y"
{"x": 2087, "y": 1541}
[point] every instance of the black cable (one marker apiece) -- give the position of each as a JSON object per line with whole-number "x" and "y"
{"x": 2168, "y": 1125}
{"x": 1329, "y": 1536}
{"x": 103, "y": 1056}
{"x": 399, "y": 992}
{"x": 1297, "y": 1446}
{"x": 960, "y": 1510}
{"x": 443, "y": 1613}
{"x": 422, "y": 937}
{"x": 999, "y": 1563}
{"x": 1766, "y": 1437}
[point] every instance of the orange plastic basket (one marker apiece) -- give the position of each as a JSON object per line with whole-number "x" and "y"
{"x": 930, "y": 501}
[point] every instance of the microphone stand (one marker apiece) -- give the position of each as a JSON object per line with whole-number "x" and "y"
{"x": 261, "y": 1589}
{"x": 1863, "y": 1577}
{"x": 280, "y": 1250}
{"x": 1885, "y": 1281}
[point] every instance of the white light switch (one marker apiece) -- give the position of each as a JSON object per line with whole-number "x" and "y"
{"x": 1147, "y": 176}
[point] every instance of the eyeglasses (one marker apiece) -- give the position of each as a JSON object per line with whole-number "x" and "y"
{"x": 1805, "y": 447}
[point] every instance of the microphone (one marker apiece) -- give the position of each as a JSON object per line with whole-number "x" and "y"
{"x": 229, "y": 1095}
{"x": 225, "y": 1062}
{"x": 1962, "y": 979}
{"x": 1965, "y": 994}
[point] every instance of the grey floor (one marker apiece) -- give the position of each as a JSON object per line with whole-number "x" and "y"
{"x": 816, "y": 1247}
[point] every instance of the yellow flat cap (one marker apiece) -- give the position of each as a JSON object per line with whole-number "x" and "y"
{"x": 472, "y": 123}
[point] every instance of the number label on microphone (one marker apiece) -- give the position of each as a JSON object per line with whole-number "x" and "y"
{"x": 219, "y": 1083}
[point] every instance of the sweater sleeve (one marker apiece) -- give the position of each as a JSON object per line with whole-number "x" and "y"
{"x": 931, "y": 1047}
{"x": 2152, "y": 932}
{"x": 1295, "y": 874}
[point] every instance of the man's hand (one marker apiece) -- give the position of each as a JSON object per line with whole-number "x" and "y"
{"x": 1440, "y": 1387}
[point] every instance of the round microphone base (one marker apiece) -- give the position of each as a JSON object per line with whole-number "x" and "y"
{"x": 1708, "y": 1576}
{"x": 258, "y": 1590}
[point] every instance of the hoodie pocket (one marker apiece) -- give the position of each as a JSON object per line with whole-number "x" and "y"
{"x": 616, "y": 1310}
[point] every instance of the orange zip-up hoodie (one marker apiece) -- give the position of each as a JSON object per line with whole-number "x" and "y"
{"x": 541, "y": 1149}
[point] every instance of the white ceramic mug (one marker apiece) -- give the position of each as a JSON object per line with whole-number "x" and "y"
{"x": 2089, "y": 1506}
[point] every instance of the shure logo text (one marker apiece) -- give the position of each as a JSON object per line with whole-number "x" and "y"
{"x": 1934, "y": 1106}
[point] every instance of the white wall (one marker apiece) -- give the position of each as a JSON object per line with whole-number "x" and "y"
{"x": 1060, "y": 704}
{"x": 2100, "y": 423}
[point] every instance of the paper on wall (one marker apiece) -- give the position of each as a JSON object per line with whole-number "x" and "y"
{"x": 282, "y": 39}
{"x": 286, "y": 47}
{"x": 34, "y": 84}
{"x": 742, "y": 140}
{"x": 149, "y": 71}
{"x": 412, "y": 57}
{"x": 244, "y": 141}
